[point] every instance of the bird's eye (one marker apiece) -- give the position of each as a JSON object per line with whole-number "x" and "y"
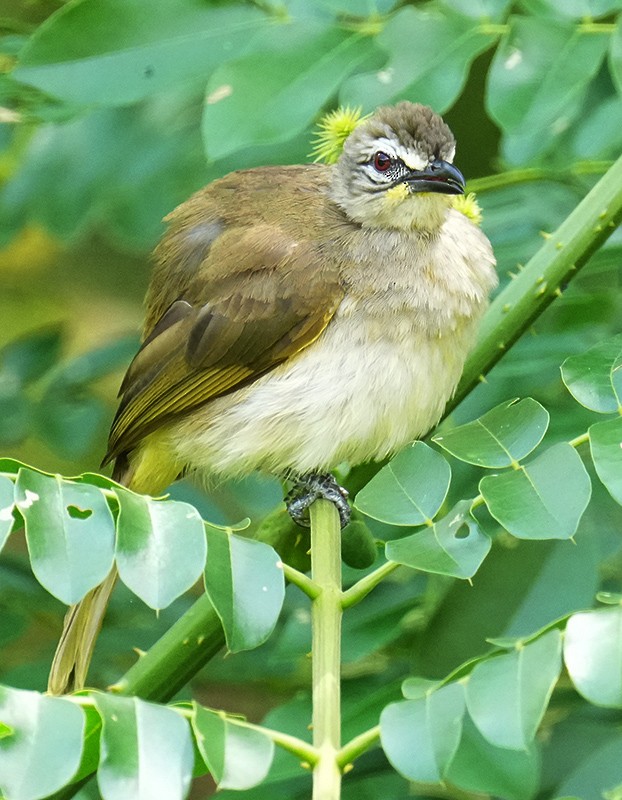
{"x": 382, "y": 162}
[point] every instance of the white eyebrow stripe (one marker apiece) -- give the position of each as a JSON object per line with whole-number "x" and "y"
{"x": 412, "y": 160}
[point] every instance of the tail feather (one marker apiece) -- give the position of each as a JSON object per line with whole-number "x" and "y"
{"x": 81, "y": 628}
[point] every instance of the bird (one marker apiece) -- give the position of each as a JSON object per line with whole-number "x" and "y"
{"x": 299, "y": 317}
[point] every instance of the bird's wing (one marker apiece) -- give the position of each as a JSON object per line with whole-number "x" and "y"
{"x": 228, "y": 327}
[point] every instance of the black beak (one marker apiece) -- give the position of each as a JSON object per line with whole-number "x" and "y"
{"x": 439, "y": 176}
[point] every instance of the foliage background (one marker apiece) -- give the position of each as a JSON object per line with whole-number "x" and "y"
{"x": 105, "y": 129}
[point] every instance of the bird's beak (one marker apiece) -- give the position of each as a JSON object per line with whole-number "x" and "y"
{"x": 439, "y": 176}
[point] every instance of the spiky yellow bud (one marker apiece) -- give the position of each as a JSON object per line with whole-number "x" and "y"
{"x": 332, "y": 131}
{"x": 467, "y": 204}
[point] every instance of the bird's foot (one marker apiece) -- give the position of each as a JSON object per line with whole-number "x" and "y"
{"x": 309, "y": 488}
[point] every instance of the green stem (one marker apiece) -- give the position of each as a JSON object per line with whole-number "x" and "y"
{"x": 558, "y": 260}
{"x": 326, "y": 626}
{"x": 357, "y": 746}
{"x": 530, "y": 174}
{"x": 177, "y": 656}
{"x": 364, "y": 586}
{"x": 302, "y": 581}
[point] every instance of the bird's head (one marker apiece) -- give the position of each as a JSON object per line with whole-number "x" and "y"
{"x": 396, "y": 170}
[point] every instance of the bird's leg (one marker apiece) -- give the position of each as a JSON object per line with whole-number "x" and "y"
{"x": 308, "y": 488}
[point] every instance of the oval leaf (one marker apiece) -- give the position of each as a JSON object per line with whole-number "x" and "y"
{"x": 409, "y": 490}
{"x": 70, "y": 533}
{"x": 606, "y": 448}
{"x": 591, "y": 376}
{"x": 161, "y": 547}
{"x": 537, "y": 81}
{"x": 593, "y": 655}
{"x": 544, "y": 499}
{"x": 7, "y": 503}
{"x": 244, "y": 581}
{"x": 146, "y": 750}
{"x": 300, "y": 67}
{"x": 115, "y": 52}
{"x": 420, "y": 737}
{"x": 507, "y": 695}
{"x": 238, "y": 756}
{"x": 453, "y": 546}
{"x": 429, "y": 53}
{"x": 480, "y": 767}
{"x": 499, "y": 438}
{"x": 41, "y": 746}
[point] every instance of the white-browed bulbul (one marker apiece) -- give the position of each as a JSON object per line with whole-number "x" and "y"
{"x": 299, "y": 317}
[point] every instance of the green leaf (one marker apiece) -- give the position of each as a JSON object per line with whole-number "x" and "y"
{"x": 244, "y": 580}
{"x": 70, "y": 533}
{"x": 544, "y": 499}
{"x": 478, "y": 766}
{"x": 507, "y": 695}
{"x": 615, "y": 55}
{"x": 146, "y": 750}
{"x": 7, "y": 503}
{"x": 420, "y": 737}
{"x": 43, "y": 751}
{"x": 115, "y": 52}
{"x": 593, "y": 376}
{"x": 501, "y": 437}
{"x": 28, "y": 358}
{"x": 238, "y": 757}
{"x": 493, "y": 10}
{"x": 409, "y": 490}
{"x": 161, "y": 547}
{"x": 454, "y": 545}
{"x": 573, "y": 9}
{"x": 593, "y": 655}
{"x": 599, "y": 133}
{"x": 274, "y": 94}
{"x": 429, "y": 54}
{"x": 537, "y": 81}
{"x": 606, "y": 448}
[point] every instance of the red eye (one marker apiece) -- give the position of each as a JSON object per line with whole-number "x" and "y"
{"x": 382, "y": 162}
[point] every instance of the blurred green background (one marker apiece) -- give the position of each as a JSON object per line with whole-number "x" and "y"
{"x": 114, "y": 111}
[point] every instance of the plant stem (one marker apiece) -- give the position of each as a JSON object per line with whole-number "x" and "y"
{"x": 362, "y": 588}
{"x": 538, "y": 283}
{"x": 358, "y": 746}
{"x": 302, "y": 581}
{"x": 326, "y": 623}
{"x": 530, "y": 174}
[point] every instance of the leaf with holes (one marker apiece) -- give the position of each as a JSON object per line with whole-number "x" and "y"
{"x": 69, "y": 530}
{"x": 146, "y": 750}
{"x": 593, "y": 655}
{"x": 238, "y": 756}
{"x": 40, "y": 746}
{"x": 501, "y": 437}
{"x": 244, "y": 580}
{"x": 544, "y": 499}
{"x": 507, "y": 695}
{"x": 606, "y": 448}
{"x": 409, "y": 490}
{"x": 161, "y": 547}
{"x": 420, "y": 737}
{"x": 594, "y": 378}
{"x": 454, "y": 545}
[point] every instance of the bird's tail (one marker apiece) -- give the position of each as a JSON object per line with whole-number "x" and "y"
{"x": 81, "y": 628}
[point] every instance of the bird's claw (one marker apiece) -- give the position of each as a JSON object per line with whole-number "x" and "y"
{"x": 309, "y": 488}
